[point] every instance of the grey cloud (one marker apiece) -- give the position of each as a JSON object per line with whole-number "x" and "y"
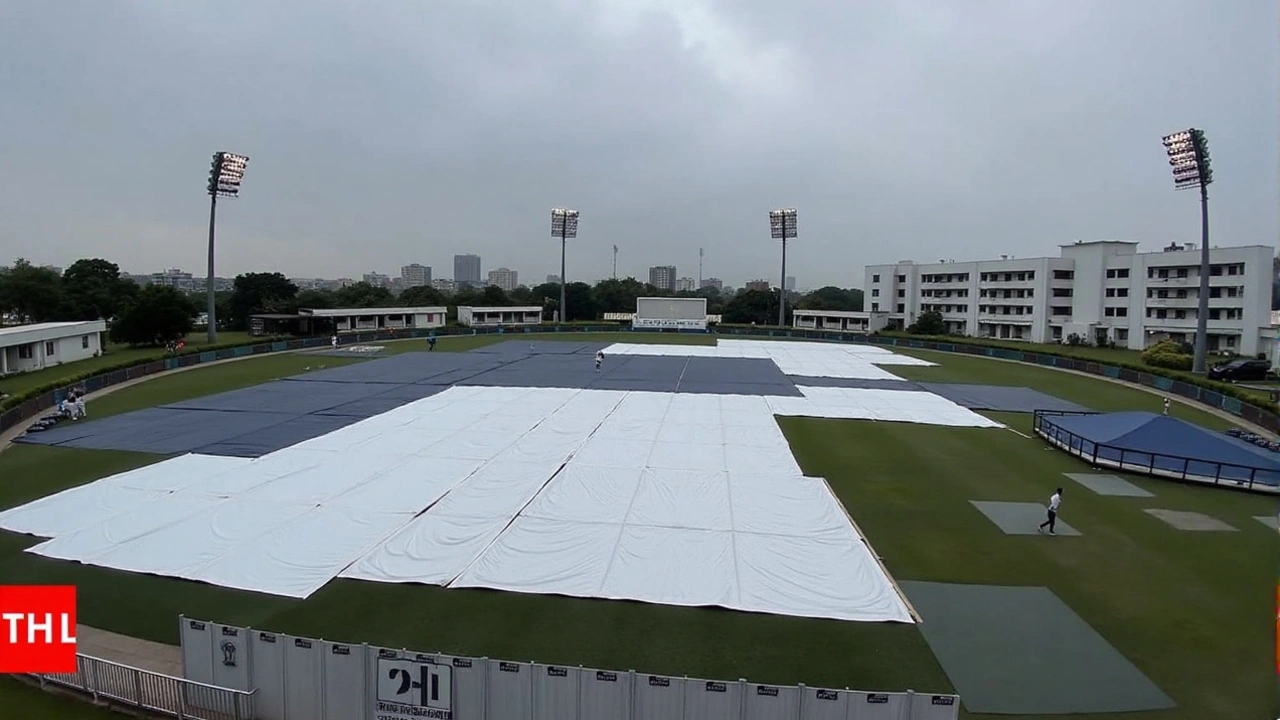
{"x": 388, "y": 132}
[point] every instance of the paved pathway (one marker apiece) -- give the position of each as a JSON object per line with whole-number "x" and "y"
{"x": 143, "y": 654}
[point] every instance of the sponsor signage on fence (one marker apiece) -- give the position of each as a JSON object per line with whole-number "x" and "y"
{"x": 669, "y": 323}
{"x": 37, "y": 629}
{"x": 413, "y": 690}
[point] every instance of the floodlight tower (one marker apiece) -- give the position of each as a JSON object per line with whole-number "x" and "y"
{"x": 782, "y": 226}
{"x": 615, "y": 262}
{"x": 1188, "y": 152}
{"x": 700, "y": 253}
{"x": 564, "y": 225}
{"x": 225, "y": 175}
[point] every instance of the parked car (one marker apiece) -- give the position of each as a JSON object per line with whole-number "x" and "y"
{"x": 1240, "y": 370}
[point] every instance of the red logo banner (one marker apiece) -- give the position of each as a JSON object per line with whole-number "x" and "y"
{"x": 37, "y": 629}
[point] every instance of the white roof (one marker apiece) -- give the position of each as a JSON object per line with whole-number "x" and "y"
{"x": 837, "y": 313}
{"x": 21, "y": 334}
{"x": 521, "y": 308}
{"x": 345, "y": 312}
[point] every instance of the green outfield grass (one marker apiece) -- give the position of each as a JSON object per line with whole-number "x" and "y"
{"x": 21, "y": 701}
{"x": 115, "y": 356}
{"x": 1192, "y": 610}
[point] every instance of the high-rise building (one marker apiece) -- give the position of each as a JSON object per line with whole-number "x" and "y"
{"x": 791, "y": 283}
{"x": 663, "y": 277}
{"x": 415, "y": 275}
{"x": 1100, "y": 291}
{"x": 466, "y": 270}
{"x": 553, "y": 279}
{"x": 716, "y": 283}
{"x": 504, "y": 279}
{"x": 444, "y": 285}
{"x": 377, "y": 279}
{"x": 685, "y": 284}
{"x": 762, "y": 285}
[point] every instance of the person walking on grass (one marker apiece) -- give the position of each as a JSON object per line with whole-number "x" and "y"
{"x": 1055, "y": 501}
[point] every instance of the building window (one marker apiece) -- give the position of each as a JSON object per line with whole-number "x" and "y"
{"x": 26, "y": 352}
{"x": 1182, "y": 272}
{"x": 1063, "y": 275}
{"x": 875, "y": 292}
{"x": 1122, "y": 292}
{"x": 1179, "y": 314}
{"x": 50, "y": 348}
{"x": 875, "y": 278}
{"x": 875, "y": 307}
{"x": 902, "y": 293}
{"x": 901, "y": 308}
{"x": 902, "y": 278}
{"x": 84, "y": 342}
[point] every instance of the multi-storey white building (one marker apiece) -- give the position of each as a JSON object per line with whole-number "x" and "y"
{"x": 1104, "y": 289}
{"x": 415, "y": 275}
{"x": 505, "y": 279}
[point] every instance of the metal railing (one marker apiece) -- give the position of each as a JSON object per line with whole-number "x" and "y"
{"x": 1155, "y": 464}
{"x": 153, "y": 692}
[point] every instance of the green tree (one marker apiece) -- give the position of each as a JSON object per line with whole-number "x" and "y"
{"x": 582, "y": 305}
{"x": 618, "y": 295}
{"x": 831, "y": 298}
{"x": 314, "y": 300}
{"x": 758, "y": 307}
{"x": 363, "y": 295}
{"x": 929, "y": 322}
{"x": 93, "y": 289}
{"x": 158, "y": 314}
{"x": 259, "y": 293}
{"x": 422, "y": 296}
{"x": 30, "y": 293}
{"x": 494, "y": 296}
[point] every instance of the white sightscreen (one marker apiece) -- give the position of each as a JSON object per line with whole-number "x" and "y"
{"x": 671, "y": 309}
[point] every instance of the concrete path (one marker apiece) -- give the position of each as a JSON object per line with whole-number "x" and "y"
{"x": 141, "y": 654}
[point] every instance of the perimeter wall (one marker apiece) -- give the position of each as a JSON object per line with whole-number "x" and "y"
{"x": 295, "y": 678}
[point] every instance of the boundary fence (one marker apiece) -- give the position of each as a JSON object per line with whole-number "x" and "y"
{"x": 1155, "y": 464}
{"x": 154, "y": 692}
{"x": 299, "y": 678}
{"x": 1250, "y": 413}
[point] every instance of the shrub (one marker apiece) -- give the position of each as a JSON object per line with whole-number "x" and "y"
{"x": 1167, "y": 354}
{"x": 1172, "y": 361}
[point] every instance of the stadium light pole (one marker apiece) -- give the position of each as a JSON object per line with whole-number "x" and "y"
{"x": 1188, "y": 152}
{"x": 225, "y": 175}
{"x": 564, "y": 225}
{"x": 782, "y": 226}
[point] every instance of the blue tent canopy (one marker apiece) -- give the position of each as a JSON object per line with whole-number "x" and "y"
{"x": 1165, "y": 444}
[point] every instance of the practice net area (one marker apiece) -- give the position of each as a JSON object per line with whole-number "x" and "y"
{"x": 681, "y": 499}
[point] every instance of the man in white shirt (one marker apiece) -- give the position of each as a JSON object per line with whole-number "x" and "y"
{"x": 1166, "y": 406}
{"x": 1055, "y": 501}
{"x": 599, "y": 359}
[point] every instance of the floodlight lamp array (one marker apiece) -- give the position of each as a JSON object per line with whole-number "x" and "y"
{"x": 782, "y": 223}
{"x": 564, "y": 223}
{"x": 226, "y": 173}
{"x": 1188, "y": 152}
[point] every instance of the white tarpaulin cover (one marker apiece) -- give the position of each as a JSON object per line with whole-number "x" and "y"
{"x": 809, "y": 359}
{"x": 686, "y": 499}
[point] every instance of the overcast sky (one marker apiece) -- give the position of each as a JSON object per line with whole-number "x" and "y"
{"x": 387, "y": 132}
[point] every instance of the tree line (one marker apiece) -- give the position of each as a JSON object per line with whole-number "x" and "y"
{"x": 94, "y": 288}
